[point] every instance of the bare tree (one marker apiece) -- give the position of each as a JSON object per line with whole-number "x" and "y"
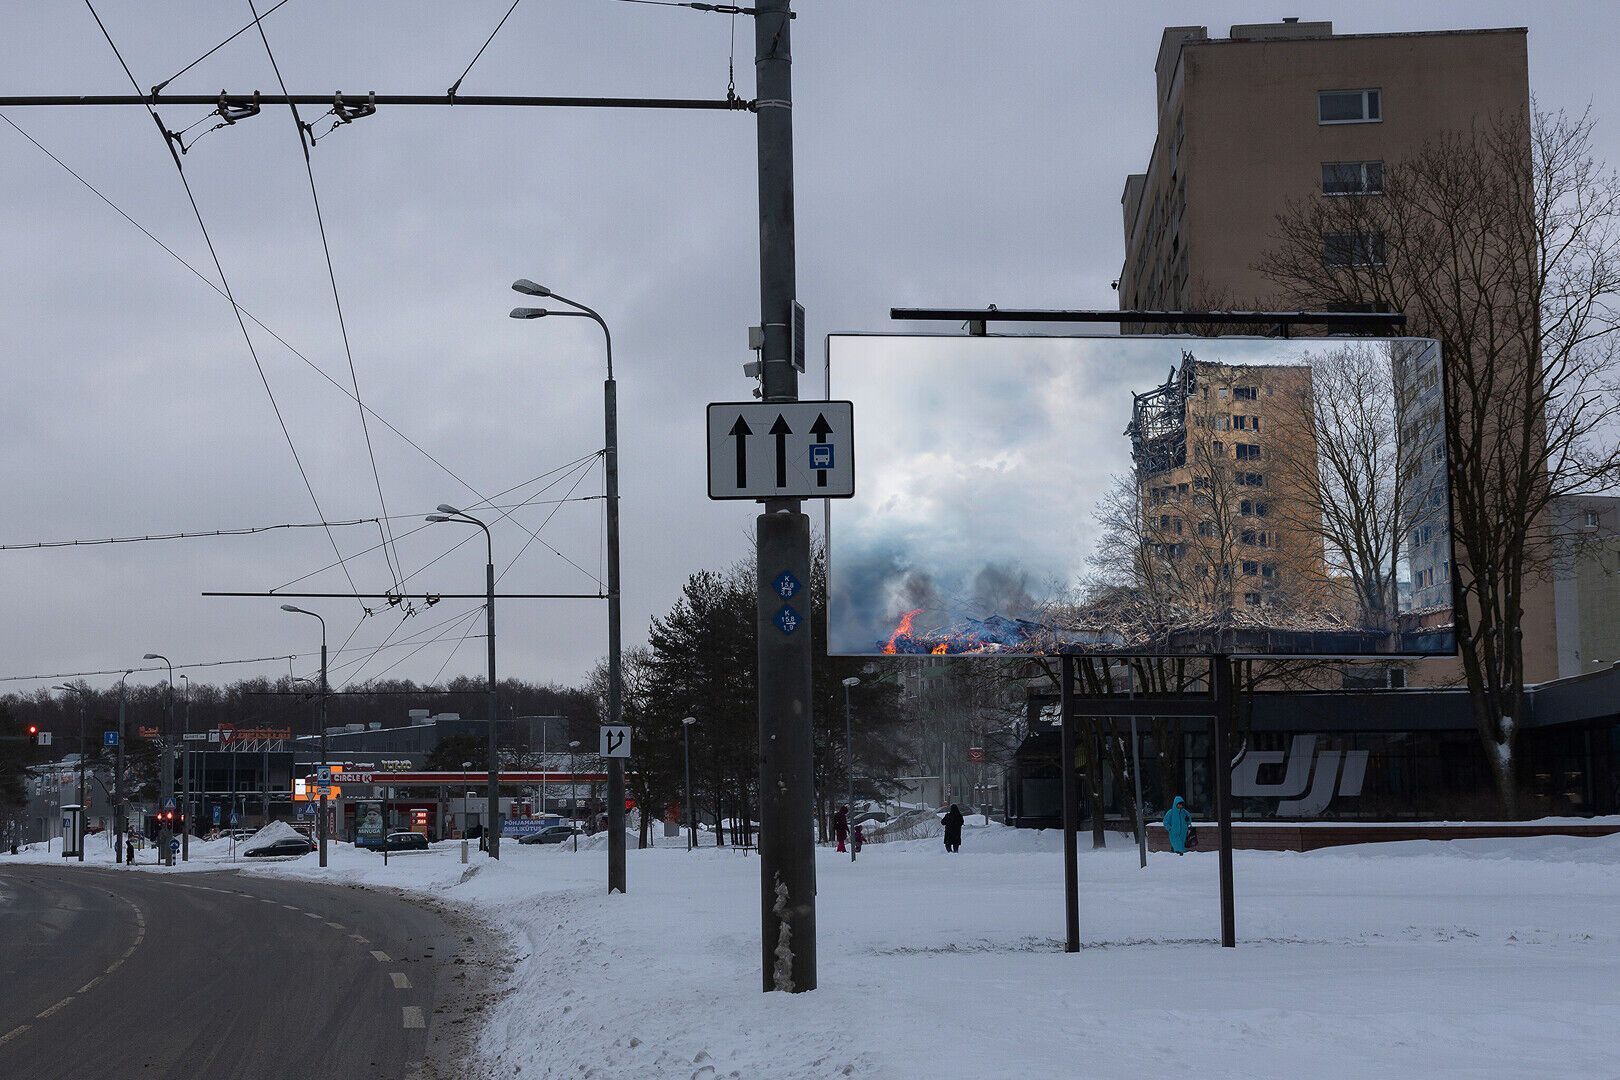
{"x": 1503, "y": 243}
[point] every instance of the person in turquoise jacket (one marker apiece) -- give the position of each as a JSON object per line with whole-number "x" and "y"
{"x": 1176, "y": 823}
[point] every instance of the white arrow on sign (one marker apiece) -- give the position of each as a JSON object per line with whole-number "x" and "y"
{"x": 615, "y": 741}
{"x": 788, "y": 450}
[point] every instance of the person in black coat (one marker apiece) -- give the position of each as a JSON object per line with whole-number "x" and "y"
{"x": 953, "y": 830}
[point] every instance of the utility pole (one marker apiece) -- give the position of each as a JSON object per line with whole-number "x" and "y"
{"x": 186, "y": 821}
{"x": 166, "y": 772}
{"x": 787, "y": 867}
{"x": 320, "y": 825}
{"x": 691, "y": 813}
{"x": 84, "y": 809}
{"x": 120, "y": 821}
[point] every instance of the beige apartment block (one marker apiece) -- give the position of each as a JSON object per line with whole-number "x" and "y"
{"x": 1276, "y": 113}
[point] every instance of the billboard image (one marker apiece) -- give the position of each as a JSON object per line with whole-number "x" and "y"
{"x": 1027, "y": 496}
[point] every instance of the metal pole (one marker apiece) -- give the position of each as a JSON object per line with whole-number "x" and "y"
{"x": 615, "y": 766}
{"x": 166, "y": 774}
{"x": 849, "y": 776}
{"x": 321, "y": 829}
{"x": 1225, "y": 694}
{"x": 118, "y": 778}
{"x": 494, "y": 845}
{"x": 1071, "y": 812}
{"x": 787, "y": 867}
{"x": 84, "y": 811}
{"x": 1136, "y": 774}
{"x": 186, "y": 819}
{"x": 691, "y": 810}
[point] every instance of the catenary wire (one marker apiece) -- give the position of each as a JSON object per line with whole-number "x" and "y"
{"x": 390, "y": 558}
{"x": 230, "y": 295}
{"x": 457, "y": 84}
{"x": 245, "y": 28}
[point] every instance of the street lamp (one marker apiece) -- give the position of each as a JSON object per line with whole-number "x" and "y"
{"x": 849, "y": 764}
{"x": 83, "y": 810}
{"x": 320, "y": 827}
{"x": 119, "y": 819}
{"x": 166, "y": 777}
{"x": 691, "y": 818}
{"x": 610, "y": 458}
{"x": 493, "y": 830}
{"x": 186, "y": 808}
{"x": 573, "y": 791}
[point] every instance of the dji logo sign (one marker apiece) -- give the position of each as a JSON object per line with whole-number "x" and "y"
{"x": 1309, "y": 781}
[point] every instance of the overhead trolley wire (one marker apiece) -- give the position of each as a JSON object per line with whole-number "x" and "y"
{"x": 457, "y": 84}
{"x": 230, "y": 295}
{"x": 391, "y": 559}
{"x": 245, "y": 28}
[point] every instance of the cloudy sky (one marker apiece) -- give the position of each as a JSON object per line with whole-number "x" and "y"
{"x": 947, "y": 153}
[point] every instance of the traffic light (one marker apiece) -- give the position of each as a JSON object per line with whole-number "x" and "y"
{"x": 33, "y": 734}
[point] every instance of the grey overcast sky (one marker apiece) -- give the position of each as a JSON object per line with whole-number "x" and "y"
{"x": 946, "y": 153}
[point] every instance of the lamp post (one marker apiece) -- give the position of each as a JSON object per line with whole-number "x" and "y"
{"x": 573, "y": 790}
{"x": 610, "y": 461}
{"x": 691, "y": 818}
{"x": 166, "y": 775}
{"x": 119, "y": 822}
{"x": 849, "y": 763}
{"x": 493, "y": 829}
{"x": 187, "y": 809}
{"x": 320, "y": 826}
{"x": 83, "y": 809}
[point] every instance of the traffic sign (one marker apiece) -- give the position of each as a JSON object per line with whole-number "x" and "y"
{"x": 168, "y": 804}
{"x": 615, "y": 741}
{"x": 323, "y": 775}
{"x": 786, "y": 450}
{"x": 787, "y": 620}
{"x": 216, "y": 815}
{"x": 109, "y": 738}
{"x": 786, "y": 585}
{"x": 174, "y": 846}
{"x": 44, "y": 738}
{"x": 195, "y": 736}
{"x": 235, "y": 817}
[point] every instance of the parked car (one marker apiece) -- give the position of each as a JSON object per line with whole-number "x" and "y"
{"x": 406, "y": 841}
{"x": 551, "y": 834}
{"x": 286, "y": 846}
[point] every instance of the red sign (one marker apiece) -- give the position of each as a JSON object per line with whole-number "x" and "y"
{"x": 976, "y": 755}
{"x": 148, "y": 732}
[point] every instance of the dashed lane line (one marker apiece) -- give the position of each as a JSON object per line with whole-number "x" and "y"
{"x": 89, "y": 986}
{"x": 379, "y": 956}
{"x": 311, "y": 915}
{"x": 13, "y": 1033}
{"x": 54, "y": 1008}
{"x": 402, "y": 981}
{"x": 361, "y": 940}
{"x": 412, "y": 1016}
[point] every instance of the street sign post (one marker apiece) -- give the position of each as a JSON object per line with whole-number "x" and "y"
{"x": 615, "y": 741}
{"x": 781, "y": 450}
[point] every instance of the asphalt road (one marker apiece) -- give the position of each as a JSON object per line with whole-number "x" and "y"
{"x": 114, "y": 974}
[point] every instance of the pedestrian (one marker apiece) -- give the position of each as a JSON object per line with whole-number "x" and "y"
{"x": 841, "y": 827}
{"x": 129, "y": 849}
{"x": 860, "y": 838}
{"x": 953, "y": 830}
{"x": 1177, "y": 822}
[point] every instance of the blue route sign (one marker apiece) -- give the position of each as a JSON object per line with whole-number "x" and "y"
{"x": 786, "y": 585}
{"x": 216, "y": 815}
{"x": 787, "y": 620}
{"x": 109, "y": 738}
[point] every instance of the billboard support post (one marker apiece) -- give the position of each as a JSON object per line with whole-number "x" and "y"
{"x": 1222, "y": 723}
{"x": 1071, "y": 812}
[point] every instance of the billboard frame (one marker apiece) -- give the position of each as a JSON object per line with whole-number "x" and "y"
{"x": 976, "y": 321}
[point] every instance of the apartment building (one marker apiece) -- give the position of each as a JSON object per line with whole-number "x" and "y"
{"x": 1275, "y": 113}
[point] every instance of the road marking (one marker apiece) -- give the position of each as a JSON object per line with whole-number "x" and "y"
{"x": 87, "y": 987}
{"x": 59, "y": 1005}
{"x": 311, "y": 915}
{"x": 412, "y": 1016}
{"x": 361, "y": 940}
{"x": 402, "y": 981}
{"x": 380, "y": 957}
{"x": 13, "y": 1033}
{"x": 337, "y": 926}
{"x": 289, "y": 907}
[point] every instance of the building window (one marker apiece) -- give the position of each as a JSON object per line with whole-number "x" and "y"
{"x": 1349, "y": 107}
{"x": 1246, "y": 423}
{"x": 1251, "y": 569}
{"x": 1591, "y": 519}
{"x": 1247, "y": 451}
{"x": 1353, "y": 249}
{"x": 1268, "y": 571}
{"x": 1248, "y": 479}
{"x": 1251, "y": 599}
{"x": 1206, "y": 528}
{"x": 1352, "y": 177}
{"x": 1246, "y": 393}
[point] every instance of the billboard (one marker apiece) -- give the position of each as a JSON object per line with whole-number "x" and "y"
{"x": 1029, "y": 496}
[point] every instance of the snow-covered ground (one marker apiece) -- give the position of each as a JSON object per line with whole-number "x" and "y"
{"x": 1466, "y": 959}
